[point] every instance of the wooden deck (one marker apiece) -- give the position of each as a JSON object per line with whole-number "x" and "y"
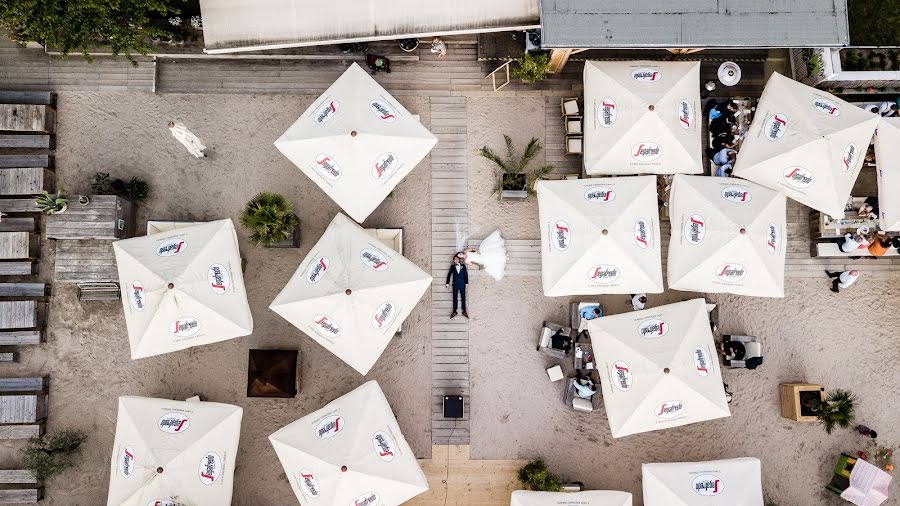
{"x": 85, "y": 262}
{"x": 105, "y": 217}
{"x": 455, "y": 479}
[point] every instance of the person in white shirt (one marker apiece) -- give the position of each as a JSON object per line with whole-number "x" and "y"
{"x": 851, "y": 243}
{"x": 585, "y": 391}
{"x": 887, "y": 109}
{"x": 638, "y": 300}
{"x": 842, "y": 279}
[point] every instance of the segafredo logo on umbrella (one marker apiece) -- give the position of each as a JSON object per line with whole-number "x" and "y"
{"x": 316, "y": 270}
{"x": 851, "y": 154}
{"x": 327, "y": 111}
{"x": 603, "y": 274}
{"x": 701, "y": 361}
{"x": 126, "y": 462}
{"x": 385, "y": 165}
{"x": 164, "y": 502}
{"x": 184, "y": 327}
{"x": 775, "y": 126}
{"x": 653, "y": 328}
{"x": 607, "y": 112}
{"x": 707, "y": 484}
{"x": 210, "y": 468}
{"x": 731, "y": 273}
{"x": 174, "y": 423}
{"x": 367, "y": 499}
{"x": 646, "y": 75}
{"x": 773, "y": 238}
{"x": 218, "y": 278}
{"x": 561, "y": 236}
{"x": 307, "y": 483}
{"x": 384, "y": 315}
{"x": 646, "y": 151}
{"x": 136, "y": 295}
{"x": 736, "y": 194}
{"x": 798, "y": 177}
{"x": 383, "y": 110}
{"x": 599, "y": 194}
{"x": 669, "y": 409}
{"x": 325, "y": 326}
{"x": 374, "y": 259}
{"x": 685, "y": 114}
{"x": 329, "y": 427}
{"x": 826, "y": 106}
{"x": 384, "y": 446}
{"x": 643, "y": 237}
{"x": 695, "y": 229}
{"x": 623, "y": 379}
{"x": 328, "y": 167}
{"x": 171, "y": 247}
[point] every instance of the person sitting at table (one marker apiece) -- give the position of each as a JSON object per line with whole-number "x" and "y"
{"x": 724, "y": 141}
{"x": 560, "y": 341}
{"x": 584, "y": 387}
{"x": 722, "y": 125}
{"x": 591, "y": 312}
{"x": 867, "y": 211}
{"x": 880, "y": 245}
{"x": 852, "y": 243}
{"x": 887, "y": 109}
{"x": 725, "y": 108}
{"x": 724, "y": 161}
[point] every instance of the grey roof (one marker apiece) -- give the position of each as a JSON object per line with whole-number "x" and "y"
{"x": 693, "y": 23}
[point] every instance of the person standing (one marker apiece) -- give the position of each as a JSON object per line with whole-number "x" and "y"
{"x": 188, "y": 139}
{"x": 638, "y": 301}
{"x": 460, "y": 277}
{"x": 842, "y": 279}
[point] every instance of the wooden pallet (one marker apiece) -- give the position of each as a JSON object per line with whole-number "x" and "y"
{"x": 24, "y": 141}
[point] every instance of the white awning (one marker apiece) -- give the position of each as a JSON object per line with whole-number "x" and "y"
{"x": 887, "y": 157}
{"x": 231, "y": 26}
{"x": 731, "y": 482}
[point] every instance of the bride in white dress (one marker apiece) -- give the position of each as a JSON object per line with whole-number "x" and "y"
{"x": 490, "y": 255}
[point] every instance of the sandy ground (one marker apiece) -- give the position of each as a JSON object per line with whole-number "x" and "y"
{"x": 87, "y": 351}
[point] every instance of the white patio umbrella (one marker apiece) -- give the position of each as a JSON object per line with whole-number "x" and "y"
{"x": 887, "y": 159}
{"x": 350, "y": 452}
{"x": 356, "y": 142}
{"x": 642, "y": 117}
{"x": 351, "y": 293}
{"x": 731, "y": 482}
{"x": 600, "y": 236}
{"x": 173, "y": 452}
{"x": 806, "y": 143}
{"x": 728, "y": 236}
{"x": 659, "y": 368}
{"x": 183, "y": 288}
{"x": 584, "y": 498}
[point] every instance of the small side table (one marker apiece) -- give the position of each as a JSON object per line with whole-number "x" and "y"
{"x": 555, "y": 373}
{"x": 453, "y": 406}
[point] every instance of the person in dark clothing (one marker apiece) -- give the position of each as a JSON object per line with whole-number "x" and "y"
{"x": 378, "y": 63}
{"x": 726, "y": 108}
{"x": 460, "y": 277}
{"x": 722, "y": 125}
{"x": 721, "y": 142}
{"x": 560, "y": 341}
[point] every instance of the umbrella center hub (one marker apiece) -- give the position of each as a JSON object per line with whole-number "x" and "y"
{"x": 343, "y": 469}
{"x": 666, "y": 370}
{"x": 605, "y": 232}
{"x": 171, "y": 285}
{"x": 353, "y": 133}
{"x": 743, "y": 231}
{"x": 159, "y": 470}
{"x": 348, "y": 291}
{"x": 651, "y": 107}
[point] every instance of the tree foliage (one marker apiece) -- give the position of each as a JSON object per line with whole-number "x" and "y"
{"x": 535, "y": 476}
{"x": 270, "y": 219}
{"x": 837, "y": 410}
{"x": 52, "y": 453}
{"x": 532, "y": 67}
{"x": 78, "y": 25}
{"x": 513, "y": 165}
{"x": 874, "y": 22}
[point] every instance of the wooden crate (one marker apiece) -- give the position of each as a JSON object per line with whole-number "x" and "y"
{"x": 790, "y": 399}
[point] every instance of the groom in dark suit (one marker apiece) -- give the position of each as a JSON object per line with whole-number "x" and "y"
{"x": 460, "y": 277}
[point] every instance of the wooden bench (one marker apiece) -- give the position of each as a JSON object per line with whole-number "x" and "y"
{"x": 831, "y": 250}
{"x": 20, "y": 431}
{"x": 27, "y": 118}
{"x": 27, "y": 409}
{"x": 18, "y": 245}
{"x": 16, "y": 161}
{"x": 28, "y": 97}
{"x": 23, "y": 290}
{"x": 18, "y": 206}
{"x": 25, "y": 180}
{"x": 8, "y": 224}
{"x": 9, "y": 357}
{"x": 20, "y": 314}
{"x": 21, "y": 337}
{"x": 19, "y": 495}
{"x": 25, "y": 141}
{"x": 18, "y": 267}
{"x": 33, "y": 385}
{"x": 98, "y": 291}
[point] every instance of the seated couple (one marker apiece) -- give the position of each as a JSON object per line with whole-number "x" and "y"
{"x": 584, "y": 385}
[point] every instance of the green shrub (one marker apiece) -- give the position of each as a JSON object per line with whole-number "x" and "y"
{"x": 837, "y": 410}
{"x": 52, "y": 453}
{"x": 514, "y": 165}
{"x": 535, "y": 476}
{"x": 532, "y": 67}
{"x": 102, "y": 184}
{"x": 137, "y": 190}
{"x": 270, "y": 219}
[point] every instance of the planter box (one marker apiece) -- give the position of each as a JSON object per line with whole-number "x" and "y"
{"x": 512, "y": 191}
{"x": 830, "y": 74}
{"x": 790, "y": 399}
{"x": 293, "y": 241}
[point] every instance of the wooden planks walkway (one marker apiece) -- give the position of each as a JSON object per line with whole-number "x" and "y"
{"x": 455, "y": 479}
{"x": 449, "y": 337}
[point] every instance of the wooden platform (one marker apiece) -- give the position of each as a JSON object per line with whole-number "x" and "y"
{"x": 455, "y": 479}
{"x": 25, "y": 180}
{"x": 85, "y": 261}
{"x": 105, "y": 217}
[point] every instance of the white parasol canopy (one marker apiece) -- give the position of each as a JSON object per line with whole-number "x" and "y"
{"x": 173, "y": 452}
{"x": 351, "y": 293}
{"x": 350, "y": 452}
{"x": 356, "y": 142}
{"x": 600, "y": 235}
{"x": 642, "y": 117}
{"x": 806, "y": 143}
{"x": 183, "y": 288}
{"x": 584, "y": 498}
{"x": 887, "y": 159}
{"x": 660, "y": 369}
{"x": 731, "y": 482}
{"x": 728, "y": 236}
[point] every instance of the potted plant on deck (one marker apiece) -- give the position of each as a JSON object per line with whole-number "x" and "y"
{"x": 535, "y": 476}
{"x": 270, "y": 219}
{"x": 51, "y": 204}
{"x": 532, "y": 67}
{"x": 516, "y": 182}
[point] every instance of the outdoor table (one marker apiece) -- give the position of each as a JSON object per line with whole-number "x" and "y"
{"x": 829, "y": 227}
{"x": 24, "y": 118}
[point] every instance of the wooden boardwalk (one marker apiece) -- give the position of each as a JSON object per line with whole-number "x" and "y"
{"x": 449, "y": 337}
{"x": 455, "y": 479}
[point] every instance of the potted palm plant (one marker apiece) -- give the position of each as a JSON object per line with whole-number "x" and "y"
{"x": 51, "y": 204}
{"x": 516, "y": 182}
{"x": 535, "y": 476}
{"x": 836, "y": 410}
{"x": 270, "y": 219}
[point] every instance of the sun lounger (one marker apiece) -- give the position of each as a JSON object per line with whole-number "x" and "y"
{"x": 25, "y": 180}
{"x": 8, "y": 224}
{"x": 19, "y": 495}
{"x": 28, "y": 97}
{"x": 23, "y": 289}
{"x": 98, "y": 291}
{"x": 21, "y": 337}
{"x": 9, "y": 161}
{"x": 24, "y": 385}
{"x": 544, "y": 339}
{"x": 24, "y": 141}
{"x": 21, "y": 409}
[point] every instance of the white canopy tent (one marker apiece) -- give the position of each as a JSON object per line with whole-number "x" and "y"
{"x": 729, "y": 236}
{"x": 642, "y": 117}
{"x": 600, "y": 235}
{"x": 183, "y": 288}
{"x": 659, "y": 368}
{"x": 584, "y": 498}
{"x": 351, "y": 293}
{"x": 887, "y": 158}
{"x": 173, "y": 452}
{"x": 356, "y": 142}
{"x": 731, "y": 482}
{"x": 350, "y": 452}
{"x": 806, "y": 143}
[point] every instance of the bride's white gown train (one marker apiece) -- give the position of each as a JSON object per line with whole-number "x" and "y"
{"x": 491, "y": 255}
